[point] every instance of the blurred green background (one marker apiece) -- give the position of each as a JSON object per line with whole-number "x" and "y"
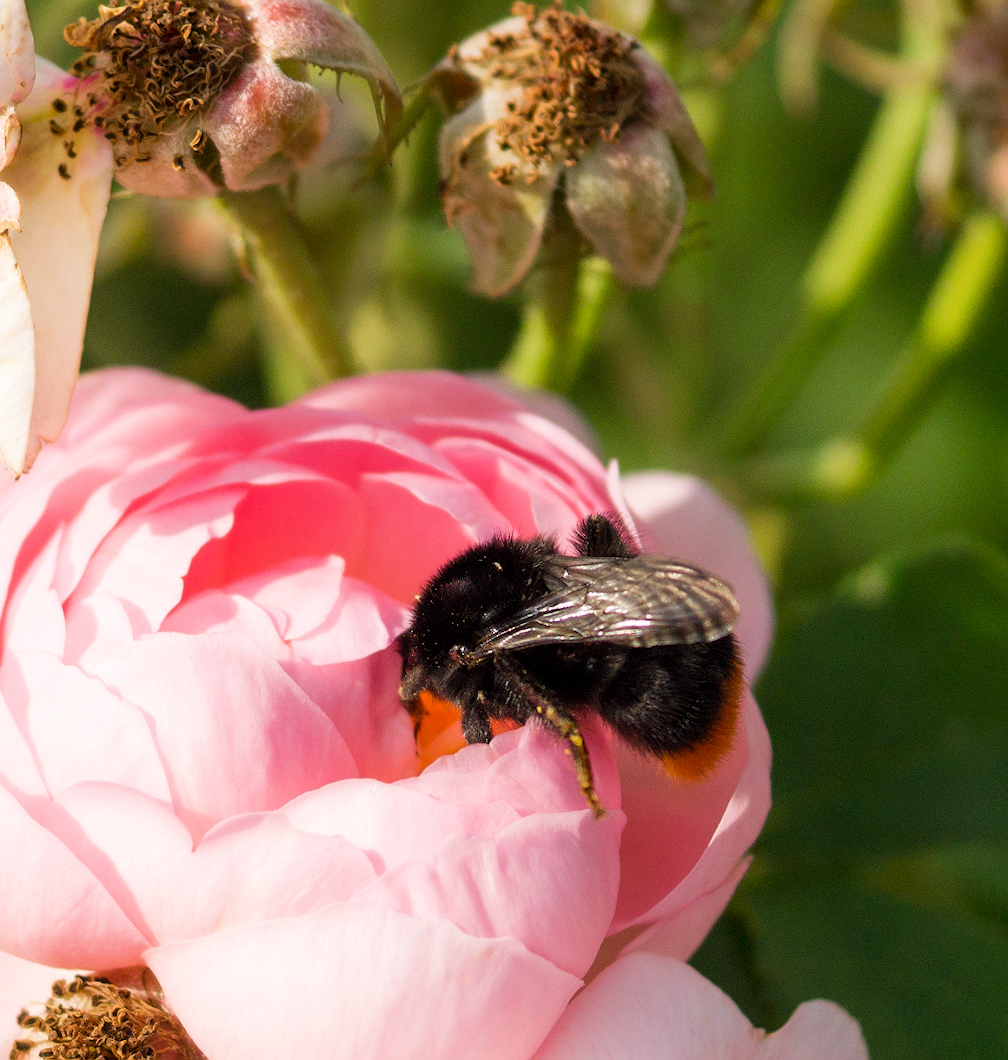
{"x": 881, "y": 880}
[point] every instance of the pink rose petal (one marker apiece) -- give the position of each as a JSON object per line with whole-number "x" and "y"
{"x": 367, "y": 982}
{"x": 652, "y": 1007}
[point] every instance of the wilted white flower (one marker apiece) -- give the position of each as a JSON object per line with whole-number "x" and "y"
{"x": 976, "y": 83}
{"x": 175, "y": 98}
{"x": 190, "y": 96}
{"x": 556, "y": 103}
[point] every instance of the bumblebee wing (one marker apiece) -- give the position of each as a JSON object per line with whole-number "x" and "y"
{"x": 638, "y": 601}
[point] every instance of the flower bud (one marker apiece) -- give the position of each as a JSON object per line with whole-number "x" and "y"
{"x": 554, "y": 102}
{"x": 190, "y": 96}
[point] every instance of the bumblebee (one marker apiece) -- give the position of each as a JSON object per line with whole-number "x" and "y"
{"x": 514, "y": 629}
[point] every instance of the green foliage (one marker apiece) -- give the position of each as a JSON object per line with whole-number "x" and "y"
{"x": 881, "y": 879}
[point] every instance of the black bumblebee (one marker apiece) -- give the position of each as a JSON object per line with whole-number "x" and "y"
{"x": 514, "y": 629}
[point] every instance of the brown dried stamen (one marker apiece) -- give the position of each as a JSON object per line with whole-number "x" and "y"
{"x": 162, "y": 62}
{"x": 91, "y": 1018}
{"x": 977, "y": 73}
{"x": 579, "y": 82}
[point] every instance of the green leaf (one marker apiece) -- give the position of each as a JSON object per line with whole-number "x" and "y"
{"x": 888, "y": 710}
{"x": 881, "y": 881}
{"x": 925, "y": 985}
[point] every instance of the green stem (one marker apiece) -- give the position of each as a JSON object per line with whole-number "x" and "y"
{"x": 559, "y": 324}
{"x": 849, "y": 465}
{"x": 862, "y": 227}
{"x": 305, "y": 347}
{"x": 404, "y": 124}
{"x": 950, "y": 315}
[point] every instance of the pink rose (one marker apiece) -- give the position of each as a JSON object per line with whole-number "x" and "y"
{"x": 206, "y": 767}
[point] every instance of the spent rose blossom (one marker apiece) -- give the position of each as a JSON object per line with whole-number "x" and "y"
{"x": 555, "y": 100}
{"x": 976, "y": 85}
{"x": 140, "y": 104}
{"x": 48, "y": 242}
{"x": 206, "y": 767}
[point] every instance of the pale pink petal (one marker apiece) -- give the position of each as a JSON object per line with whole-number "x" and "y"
{"x": 52, "y": 908}
{"x": 360, "y": 622}
{"x": 369, "y": 982}
{"x": 17, "y": 359}
{"x": 680, "y": 934}
{"x": 218, "y": 691}
{"x": 18, "y": 766}
{"x": 56, "y": 248}
{"x": 712, "y": 829}
{"x": 551, "y": 507}
{"x": 407, "y": 395}
{"x": 545, "y": 404}
{"x": 361, "y": 698}
{"x": 34, "y": 615}
{"x": 78, "y": 729}
{"x": 144, "y": 856}
{"x": 143, "y": 561}
{"x": 299, "y": 595}
{"x": 98, "y": 629}
{"x": 422, "y": 519}
{"x": 529, "y": 768}
{"x": 692, "y": 523}
{"x": 17, "y": 53}
{"x": 657, "y": 1008}
{"x": 22, "y": 984}
{"x": 341, "y": 664}
{"x": 817, "y": 1028}
{"x": 548, "y": 881}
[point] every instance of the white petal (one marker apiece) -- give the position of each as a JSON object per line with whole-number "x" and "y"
{"x": 56, "y": 248}
{"x": 474, "y": 52}
{"x": 10, "y": 208}
{"x": 502, "y": 225}
{"x": 10, "y": 136}
{"x": 17, "y": 361}
{"x": 17, "y": 53}
{"x": 628, "y": 198}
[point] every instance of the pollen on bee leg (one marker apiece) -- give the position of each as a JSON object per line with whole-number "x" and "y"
{"x": 565, "y": 727}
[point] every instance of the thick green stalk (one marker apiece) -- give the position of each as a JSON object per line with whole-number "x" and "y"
{"x": 849, "y": 465}
{"x": 304, "y": 347}
{"x": 559, "y": 324}
{"x": 865, "y": 220}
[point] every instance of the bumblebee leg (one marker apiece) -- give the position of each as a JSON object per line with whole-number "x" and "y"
{"x": 522, "y": 683}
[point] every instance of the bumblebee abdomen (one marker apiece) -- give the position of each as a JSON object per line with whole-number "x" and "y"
{"x": 678, "y": 702}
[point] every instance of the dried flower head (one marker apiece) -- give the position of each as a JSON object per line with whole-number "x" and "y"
{"x": 189, "y": 95}
{"x": 93, "y": 1017}
{"x": 976, "y": 83}
{"x": 553, "y": 100}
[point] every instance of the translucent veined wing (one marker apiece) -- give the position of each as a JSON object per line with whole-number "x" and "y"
{"x": 638, "y": 602}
